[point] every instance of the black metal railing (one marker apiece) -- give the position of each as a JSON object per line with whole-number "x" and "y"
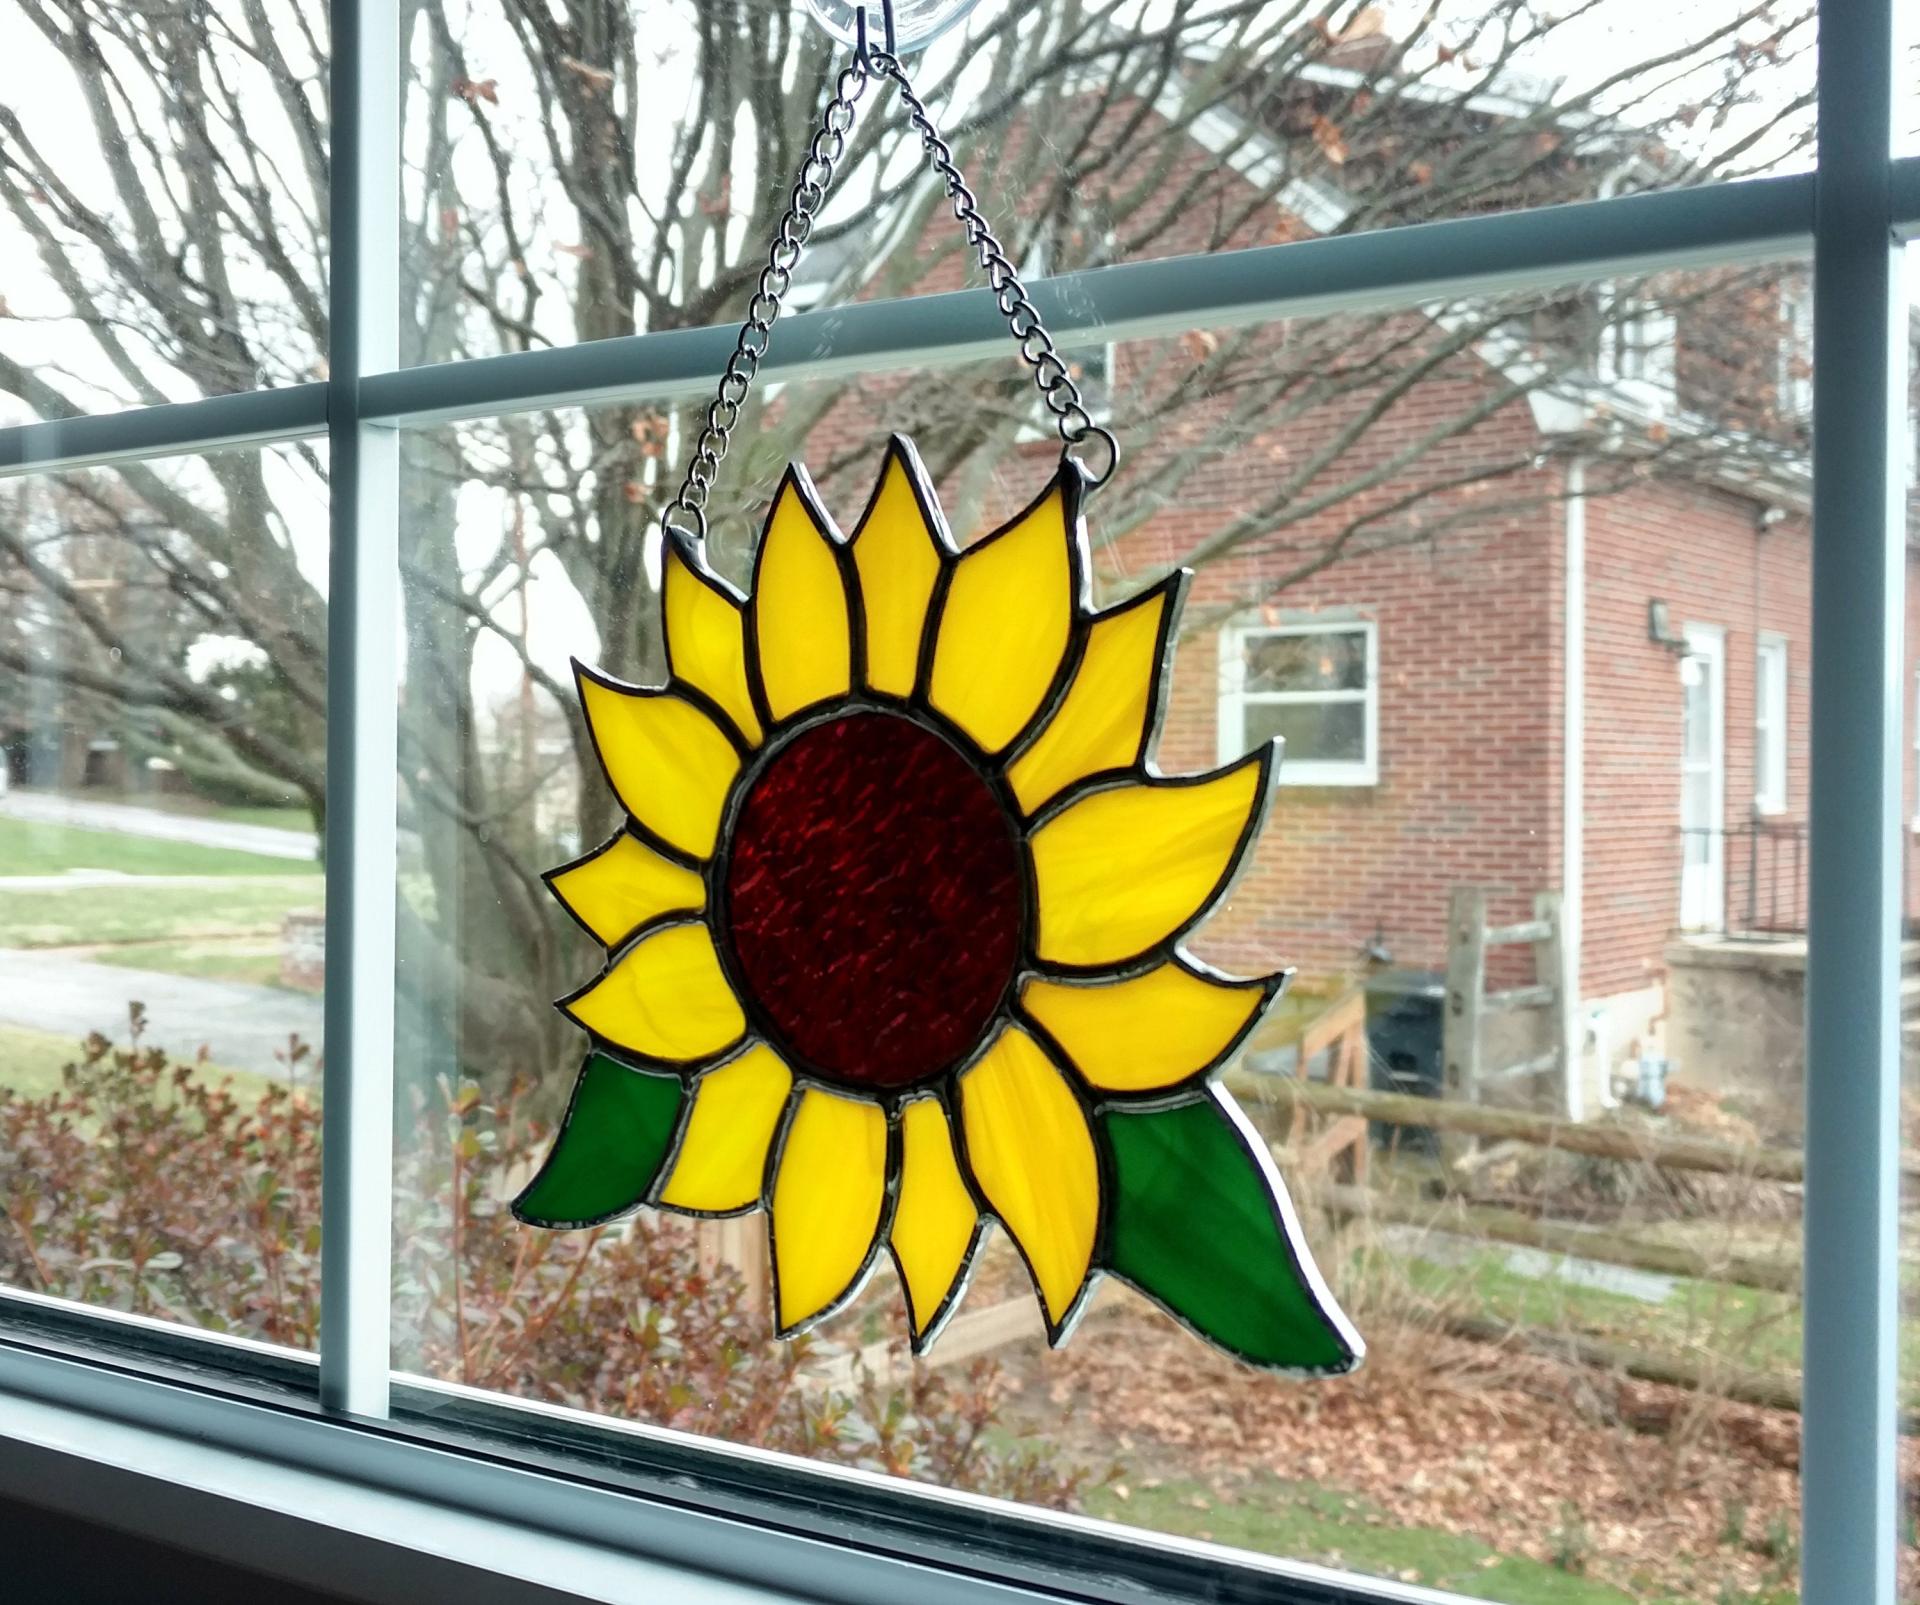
{"x": 1761, "y": 878}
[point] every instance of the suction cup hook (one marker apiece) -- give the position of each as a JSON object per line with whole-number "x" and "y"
{"x": 915, "y": 23}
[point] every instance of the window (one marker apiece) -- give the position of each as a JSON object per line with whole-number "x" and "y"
{"x": 1315, "y": 686}
{"x": 1637, "y": 347}
{"x": 1770, "y": 726}
{"x": 1796, "y": 346}
{"x": 399, "y": 538}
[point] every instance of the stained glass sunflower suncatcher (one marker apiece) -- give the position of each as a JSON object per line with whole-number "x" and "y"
{"x": 893, "y": 933}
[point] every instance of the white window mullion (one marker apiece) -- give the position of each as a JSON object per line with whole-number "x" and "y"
{"x": 362, "y": 714}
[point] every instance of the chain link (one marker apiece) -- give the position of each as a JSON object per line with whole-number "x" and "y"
{"x": 687, "y": 512}
{"x": 1055, "y": 380}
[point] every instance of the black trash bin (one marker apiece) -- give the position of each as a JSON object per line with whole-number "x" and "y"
{"x": 1405, "y": 1015}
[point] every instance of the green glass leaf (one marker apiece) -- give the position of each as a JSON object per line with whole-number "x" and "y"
{"x": 1198, "y": 1222}
{"x": 617, "y": 1134}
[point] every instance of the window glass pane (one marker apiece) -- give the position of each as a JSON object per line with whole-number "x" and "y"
{"x": 569, "y": 182}
{"x": 1314, "y": 732}
{"x": 1325, "y": 661}
{"x": 162, "y": 720}
{"x": 165, "y": 195}
{"x": 1545, "y": 1324}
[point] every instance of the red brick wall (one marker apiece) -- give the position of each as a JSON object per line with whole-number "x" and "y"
{"x": 1470, "y": 639}
{"x": 1699, "y": 551}
{"x": 1468, "y": 642}
{"x": 1702, "y": 553}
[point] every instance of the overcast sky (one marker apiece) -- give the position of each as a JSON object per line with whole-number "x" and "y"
{"x": 40, "y": 87}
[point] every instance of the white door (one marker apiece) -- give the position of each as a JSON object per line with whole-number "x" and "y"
{"x": 1703, "y": 780}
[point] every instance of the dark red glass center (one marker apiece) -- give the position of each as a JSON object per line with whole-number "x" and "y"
{"x": 873, "y": 900}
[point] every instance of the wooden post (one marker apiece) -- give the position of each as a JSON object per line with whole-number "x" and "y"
{"x": 740, "y": 1243}
{"x": 1466, "y": 991}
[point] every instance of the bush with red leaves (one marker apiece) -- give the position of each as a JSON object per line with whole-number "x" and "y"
{"x": 144, "y": 1184}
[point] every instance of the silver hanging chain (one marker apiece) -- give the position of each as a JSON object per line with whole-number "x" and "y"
{"x": 1077, "y": 427}
{"x": 1055, "y": 380}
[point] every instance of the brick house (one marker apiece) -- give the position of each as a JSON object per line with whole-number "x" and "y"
{"x": 1596, "y": 686}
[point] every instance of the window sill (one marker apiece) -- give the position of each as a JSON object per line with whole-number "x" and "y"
{"x": 1300, "y": 777}
{"x": 414, "y": 1509}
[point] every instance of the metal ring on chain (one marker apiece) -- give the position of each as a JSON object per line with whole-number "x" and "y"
{"x": 686, "y": 514}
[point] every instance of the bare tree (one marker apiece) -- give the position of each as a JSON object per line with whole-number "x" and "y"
{"x": 580, "y": 169}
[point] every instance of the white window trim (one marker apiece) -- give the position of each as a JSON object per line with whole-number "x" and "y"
{"x": 1651, "y": 333}
{"x": 1796, "y": 342}
{"x": 1235, "y": 699}
{"x": 1770, "y": 789}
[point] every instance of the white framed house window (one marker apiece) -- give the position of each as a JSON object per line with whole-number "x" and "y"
{"x": 1770, "y": 726}
{"x": 1638, "y": 338}
{"x": 1796, "y": 346}
{"x": 1315, "y": 685}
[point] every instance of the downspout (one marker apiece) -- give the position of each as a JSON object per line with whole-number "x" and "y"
{"x": 1573, "y": 780}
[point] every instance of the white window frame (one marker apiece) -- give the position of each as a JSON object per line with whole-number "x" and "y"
{"x": 1796, "y": 346}
{"x": 1639, "y": 349}
{"x": 1235, "y": 699}
{"x": 1772, "y": 698}
{"x": 1856, "y": 211}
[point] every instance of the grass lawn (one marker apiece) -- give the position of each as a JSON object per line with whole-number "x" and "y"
{"x": 1300, "y": 1521}
{"x": 1743, "y": 1326}
{"x": 128, "y": 911}
{"x": 28, "y": 847}
{"x": 31, "y": 1062}
{"x": 242, "y": 959}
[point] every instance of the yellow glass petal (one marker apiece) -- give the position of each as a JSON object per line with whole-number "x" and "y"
{"x": 935, "y": 1217}
{"x": 723, "y": 1153}
{"x": 706, "y": 640}
{"x": 1029, "y": 1149}
{"x": 799, "y": 607}
{"x": 1102, "y": 721}
{"x": 664, "y": 998}
{"x": 1148, "y": 1032}
{"x": 669, "y": 764}
{"x": 618, "y": 887}
{"x": 897, "y": 552}
{"x": 1003, "y": 629}
{"x": 827, "y": 1199}
{"x": 1120, "y": 870}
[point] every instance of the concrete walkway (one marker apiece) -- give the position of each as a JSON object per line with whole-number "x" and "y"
{"x": 130, "y": 820}
{"x": 114, "y": 877}
{"x": 240, "y": 1026}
